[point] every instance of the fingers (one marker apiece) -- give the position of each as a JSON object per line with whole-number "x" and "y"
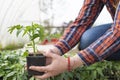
{"x": 41, "y": 51}
{"x": 38, "y": 68}
{"x": 47, "y": 73}
{"x": 45, "y": 76}
{"x": 49, "y": 54}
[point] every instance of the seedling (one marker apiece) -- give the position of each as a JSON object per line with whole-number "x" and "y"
{"x": 35, "y": 31}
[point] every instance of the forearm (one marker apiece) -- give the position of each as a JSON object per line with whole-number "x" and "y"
{"x": 86, "y": 17}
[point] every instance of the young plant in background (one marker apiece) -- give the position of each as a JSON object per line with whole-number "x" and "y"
{"x": 34, "y": 31}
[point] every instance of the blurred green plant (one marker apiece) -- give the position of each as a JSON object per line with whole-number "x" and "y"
{"x": 12, "y": 65}
{"x": 12, "y": 46}
{"x": 54, "y": 35}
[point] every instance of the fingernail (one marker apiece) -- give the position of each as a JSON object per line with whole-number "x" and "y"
{"x": 30, "y": 67}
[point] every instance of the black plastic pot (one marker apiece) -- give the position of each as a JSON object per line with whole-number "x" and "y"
{"x": 38, "y": 60}
{"x": 1, "y": 78}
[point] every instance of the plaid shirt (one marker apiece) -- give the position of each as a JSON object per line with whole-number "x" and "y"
{"x": 105, "y": 45}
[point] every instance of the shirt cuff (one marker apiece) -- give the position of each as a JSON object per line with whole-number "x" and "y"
{"x": 88, "y": 56}
{"x": 63, "y": 46}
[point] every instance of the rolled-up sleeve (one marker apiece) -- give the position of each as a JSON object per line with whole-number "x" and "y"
{"x": 105, "y": 45}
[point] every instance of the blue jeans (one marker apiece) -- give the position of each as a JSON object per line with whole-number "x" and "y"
{"x": 93, "y": 34}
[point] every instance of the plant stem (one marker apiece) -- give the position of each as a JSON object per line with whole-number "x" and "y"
{"x": 33, "y": 42}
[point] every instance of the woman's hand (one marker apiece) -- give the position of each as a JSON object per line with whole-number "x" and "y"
{"x": 48, "y": 49}
{"x": 57, "y": 66}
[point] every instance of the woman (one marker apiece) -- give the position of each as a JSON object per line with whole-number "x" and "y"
{"x": 97, "y": 49}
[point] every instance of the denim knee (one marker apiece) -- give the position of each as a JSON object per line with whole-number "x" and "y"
{"x": 92, "y": 34}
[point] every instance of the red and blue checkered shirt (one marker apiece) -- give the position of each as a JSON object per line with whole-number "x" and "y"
{"x": 105, "y": 45}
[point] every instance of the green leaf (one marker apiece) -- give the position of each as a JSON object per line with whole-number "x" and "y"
{"x": 70, "y": 75}
{"x": 35, "y": 36}
{"x": 18, "y": 32}
{"x": 12, "y": 28}
{"x": 18, "y": 27}
{"x": 25, "y": 54}
{"x": 11, "y": 74}
{"x": 25, "y": 32}
{"x": 99, "y": 70}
